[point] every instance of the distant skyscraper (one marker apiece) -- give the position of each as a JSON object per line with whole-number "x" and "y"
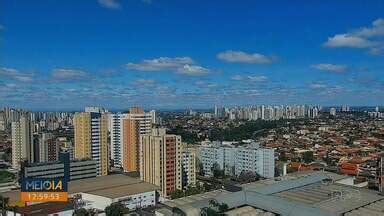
{"x": 345, "y": 108}
{"x": 22, "y": 142}
{"x": 91, "y": 138}
{"x": 153, "y": 116}
{"x": 2, "y": 121}
{"x": 332, "y": 112}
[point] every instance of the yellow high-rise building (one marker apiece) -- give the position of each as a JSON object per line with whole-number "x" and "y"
{"x": 91, "y": 138}
{"x": 161, "y": 160}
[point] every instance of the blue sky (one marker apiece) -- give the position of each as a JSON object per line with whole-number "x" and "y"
{"x": 190, "y": 54}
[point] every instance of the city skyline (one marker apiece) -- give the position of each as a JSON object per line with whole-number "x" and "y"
{"x": 195, "y": 54}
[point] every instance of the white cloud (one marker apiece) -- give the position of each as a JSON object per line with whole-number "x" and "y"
{"x": 61, "y": 74}
{"x": 317, "y": 86}
{"x": 15, "y": 74}
{"x": 160, "y": 64}
{"x": 257, "y": 78}
{"x": 180, "y": 65}
{"x": 330, "y": 67}
{"x": 23, "y": 78}
{"x": 111, "y": 4}
{"x": 249, "y": 78}
{"x": 243, "y": 57}
{"x": 144, "y": 82}
{"x": 8, "y": 71}
{"x": 377, "y": 29}
{"x": 346, "y": 40}
{"x": 193, "y": 70}
{"x": 371, "y": 38}
{"x": 237, "y": 77}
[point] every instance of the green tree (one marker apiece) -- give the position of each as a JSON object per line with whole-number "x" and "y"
{"x": 308, "y": 156}
{"x": 186, "y": 136}
{"x": 116, "y": 209}
{"x": 217, "y": 172}
{"x": 247, "y": 176}
{"x": 193, "y": 190}
{"x": 199, "y": 167}
{"x": 223, "y": 207}
{"x": 177, "y": 194}
{"x": 214, "y": 209}
{"x": 7, "y": 155}
{"x": 4, "y": 204}
{"x": 81, "y": 212}
{"x": 6, "y": 176}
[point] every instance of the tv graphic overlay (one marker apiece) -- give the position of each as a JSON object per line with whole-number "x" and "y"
{"x": 44, "y": 190}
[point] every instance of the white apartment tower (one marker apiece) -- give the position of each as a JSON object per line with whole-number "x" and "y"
{"x": 22, "y": 141}
{"x": 116, "y": 128}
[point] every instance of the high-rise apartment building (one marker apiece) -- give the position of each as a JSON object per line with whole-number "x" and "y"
{"x": 48, "y": 148}
{"x": 91, "y": 138}
{"x": 2, "y": 121}
{"x": 161, "y": 160}
{"x": 145, "y": 119}
{"x": 22, "y": 141}
{"x": 126, "y": 130}
{"x": 131, "y": 145}
{"x": 116, "y": 142}
{"x": 188, "y": 167}
{"x": 332, "y": 111}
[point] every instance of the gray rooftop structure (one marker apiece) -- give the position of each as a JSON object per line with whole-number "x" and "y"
{"x": 310, "y": 193}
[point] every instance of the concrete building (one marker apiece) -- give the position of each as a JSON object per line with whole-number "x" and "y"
{"x": 115, "y": 129}
{"x": 91, "y": 138}
{"x": 2, "y": 121}
{"x": 99, "y": 192}
{"x": 257, "y": 160}
{"x": 160, "y": 161}
{"x": 126, "y": 130}
{"x": 234, "y": 160}
{"x": 94, "y": 193}
{"x": 332, "y": 111}
{"x": 131, "y": 144}
{"x": 22, "y": 141}
{"x": 48, "y": 148}
{"x": 76, "y": 169}
{"x": 188, "y": 167}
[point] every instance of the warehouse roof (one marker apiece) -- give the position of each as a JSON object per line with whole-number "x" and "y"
{"x": 112, "y": 186}
{"x": 311, "y": 193}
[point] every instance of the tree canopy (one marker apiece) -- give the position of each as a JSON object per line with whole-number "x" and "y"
{"x": 214, "y": 209}
{"x": 308, "y": 156}
{"x": 116, "y": 209}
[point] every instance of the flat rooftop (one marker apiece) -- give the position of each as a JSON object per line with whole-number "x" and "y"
{"x": 44, "y": 208}
{"x": 300, "y": 194}
{"x": 248, "y": 211}
{"x": 111, "y": 186}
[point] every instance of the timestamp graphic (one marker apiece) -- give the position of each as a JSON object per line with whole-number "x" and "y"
{"x": 44, "y": 196}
